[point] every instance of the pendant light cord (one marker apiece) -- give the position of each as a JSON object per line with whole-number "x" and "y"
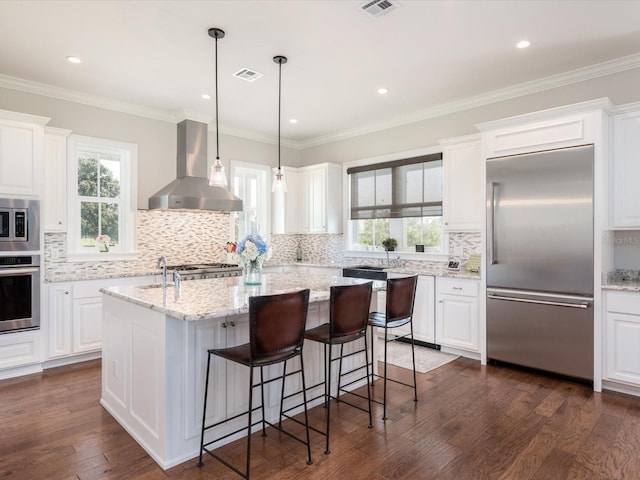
{"x": 217, "y": 140}
{"x": 279, "y": 108}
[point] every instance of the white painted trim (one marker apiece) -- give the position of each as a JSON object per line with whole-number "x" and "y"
{"x": 71, "y": 359}
{"x": 626, "y": 108}
{"x": 24, "y": 117}
{"x": 60, "y": 132}
{"x": 20, "y": 371}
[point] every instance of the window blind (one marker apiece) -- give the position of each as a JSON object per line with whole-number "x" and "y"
{"x": 411, "y": 187}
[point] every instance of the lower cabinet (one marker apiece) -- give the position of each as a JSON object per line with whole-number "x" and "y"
{"x": 73, "y": 322}
{"x": 457, "y": 319}
{"x": 622, "y": 356}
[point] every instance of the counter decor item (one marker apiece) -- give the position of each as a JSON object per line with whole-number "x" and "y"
{"x": 102, "y": 242}
{"x": 389, "y": 244}
{"x": 251, "y": 252}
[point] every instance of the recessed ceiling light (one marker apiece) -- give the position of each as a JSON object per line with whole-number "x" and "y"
{"x": 293, "y": 120}
{"x": 523, "y": 44}
{"x": 72, "y": 59}
{"x": 383, "y": 91}
{"x": 206, "y": 96}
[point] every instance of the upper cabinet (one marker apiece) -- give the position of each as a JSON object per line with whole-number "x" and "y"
{"x": 626, "y": 170}
{"x": 21, "y": 152}
{"x": 312, "y": 203}
{"x": 55, "y": 180}
{"x": 462, "y": 188}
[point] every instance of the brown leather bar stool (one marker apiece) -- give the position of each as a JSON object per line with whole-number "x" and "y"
{"x": 401, "y": 294}
{"x": 348, "y": 317}
{"x": 276, "y": 335}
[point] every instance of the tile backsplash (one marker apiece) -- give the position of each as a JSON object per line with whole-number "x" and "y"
{"x": 200, "y": 237}
{"x": 181, "y": 236}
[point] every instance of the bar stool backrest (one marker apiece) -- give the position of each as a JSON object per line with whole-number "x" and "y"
{"x": 349, "y": 309}
{"x": 401, "y": 293}
{"x": 277, "y": 323}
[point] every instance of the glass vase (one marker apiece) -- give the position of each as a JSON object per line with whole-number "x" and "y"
{"x": 253, "y": 273}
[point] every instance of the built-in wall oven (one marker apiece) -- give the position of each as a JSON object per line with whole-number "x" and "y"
{"x": 19, "y": 293}
{"x": 19, "y": 224}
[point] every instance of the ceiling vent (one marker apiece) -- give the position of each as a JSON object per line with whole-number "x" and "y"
{"x": 377, "y": 8}
{"x": 247, "y": 74}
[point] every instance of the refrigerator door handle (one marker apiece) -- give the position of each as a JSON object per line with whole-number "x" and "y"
{"x": 493, "y": 256}
{"x": 541, "y": 302}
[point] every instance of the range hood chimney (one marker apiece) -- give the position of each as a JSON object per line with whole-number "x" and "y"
{"x": 191, "y": 190}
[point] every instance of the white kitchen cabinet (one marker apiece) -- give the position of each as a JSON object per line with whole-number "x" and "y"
{"x": 59, "y": 315}
{"x": 423, "y": 311}
{"x": 73, "y": 323}
{"x": 54, "y": 205}
{"x": 462, "y": 200}
{"x": 626, "y": 171}
{"x": 20, "y": 353}
{"x": 457, "y": 318}
{"x": 21, "y": 153}
{"x": 622, "y": 354}
{"x": 313, "y": 202}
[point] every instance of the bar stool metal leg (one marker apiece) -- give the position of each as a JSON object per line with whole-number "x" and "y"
{"x": 366, "y": 362}
{"x": 384, "y": 397}
{"x": 284, "y": 375}
{"x": 264, "y": 431}
{"x": 327, "y": 382}
{"x": 306, "y": 415}
{"x": 249, "y": 423}
{"x": 413, "y": 354}
{"x": 339, "y": 371}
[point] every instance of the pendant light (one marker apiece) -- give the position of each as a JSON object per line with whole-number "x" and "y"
{"x": 279, "y": 183}
{"x": 217, "y": 177}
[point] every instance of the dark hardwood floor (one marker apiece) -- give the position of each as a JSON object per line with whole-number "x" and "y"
{"x": 471, "y": 422}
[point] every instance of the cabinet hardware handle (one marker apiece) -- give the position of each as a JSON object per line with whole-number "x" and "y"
{"x": 232, "y": 324}
{"x": 66, "y": 293}
{"x": 539, "y": 302}
{"x": 224, "y": 325}
{"x": 457, "y": 288}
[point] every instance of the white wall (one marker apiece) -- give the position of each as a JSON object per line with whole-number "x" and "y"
{"x": 620, "y": 88}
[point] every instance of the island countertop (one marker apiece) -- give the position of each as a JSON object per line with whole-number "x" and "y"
{"x": 220, "y": 297}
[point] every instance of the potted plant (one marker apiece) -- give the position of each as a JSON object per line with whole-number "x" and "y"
{"x": 389, "y": 244}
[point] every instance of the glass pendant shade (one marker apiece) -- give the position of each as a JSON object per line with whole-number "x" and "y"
{"x": 279, "y": 184}
{"x": 217, "y": 177}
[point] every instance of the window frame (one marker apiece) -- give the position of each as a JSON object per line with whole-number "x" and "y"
{"x": 350, "y": 227}
{"x": 127, "y": 204}
{"x": 264, "y": 198}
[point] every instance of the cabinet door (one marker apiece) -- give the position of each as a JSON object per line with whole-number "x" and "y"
{"x": 59, "y": 320}
{"x": 462, "y": 202}
{"x": 457, "y": 322}
{"x": 54, "y": 206}
{"x": 424, "y": 324}
{"x": 317, "y": 183}
{"x": 304, "y": 205}
{"x": 19, "y": 150}
{"x": 623, "y": 347}
{"x": 87, "y": 324}
{"x": 626, "y": 170}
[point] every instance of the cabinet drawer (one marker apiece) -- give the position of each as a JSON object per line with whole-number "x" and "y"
{"x": 456, "y": 286}
{"x": 623, "y": 303}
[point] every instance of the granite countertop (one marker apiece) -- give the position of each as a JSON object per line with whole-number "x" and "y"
{"x": 623, "y": 285}
{"x": 219, "y": 297}
{"x": 74, "y": 277}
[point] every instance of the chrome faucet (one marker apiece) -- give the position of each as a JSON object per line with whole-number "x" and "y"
{"x": 162, "y": 263}
{"x": 177, "y": 284}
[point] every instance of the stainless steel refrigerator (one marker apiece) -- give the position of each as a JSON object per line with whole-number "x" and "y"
{"x": 540, "y": 260}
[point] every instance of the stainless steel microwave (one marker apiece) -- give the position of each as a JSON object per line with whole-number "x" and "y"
{"x": 19, "y": 224}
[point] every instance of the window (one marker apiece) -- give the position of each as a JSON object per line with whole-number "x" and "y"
{"x": 400, "y": 199}
{"x": 102, "y": 185}
{"x": 250, "y": 182}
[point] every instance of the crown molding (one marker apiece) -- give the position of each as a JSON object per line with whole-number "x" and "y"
{"x": 60, "y": 93}
{"x": 527, "y": 88}
{"x": 610, "y": 67}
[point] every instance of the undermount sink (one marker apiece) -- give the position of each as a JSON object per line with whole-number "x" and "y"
{"x": 153, "y": 285}
{"x": 365, "y": 271}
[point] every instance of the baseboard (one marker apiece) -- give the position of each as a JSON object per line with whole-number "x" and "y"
{"x": 59, "y": 362}
{"x": 20, "y": 371}
{"x": 621, "y": 387}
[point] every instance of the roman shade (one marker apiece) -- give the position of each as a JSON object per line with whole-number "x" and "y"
{"x": 410, "y": 187}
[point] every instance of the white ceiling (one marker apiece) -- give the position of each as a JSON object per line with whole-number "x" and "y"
{"x": 158, "y": 55}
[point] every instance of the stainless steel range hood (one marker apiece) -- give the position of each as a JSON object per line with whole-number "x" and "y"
{"x": 191, "y": 190}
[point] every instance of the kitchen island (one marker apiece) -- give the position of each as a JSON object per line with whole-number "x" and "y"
{"x": 154, "y": 356}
